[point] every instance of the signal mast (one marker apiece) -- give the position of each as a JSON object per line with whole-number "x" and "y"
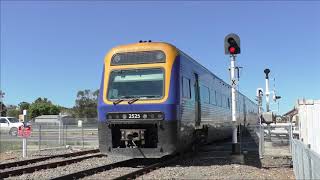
{"x": 232, "y": 48}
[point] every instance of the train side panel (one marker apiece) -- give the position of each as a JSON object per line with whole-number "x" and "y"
{"x": 215, "y": 102}
{"x": 214, "y": 111}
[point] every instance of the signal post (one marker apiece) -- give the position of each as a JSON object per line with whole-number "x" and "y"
{"x": 24, "y": 132}
{"x": 232, "y": 48}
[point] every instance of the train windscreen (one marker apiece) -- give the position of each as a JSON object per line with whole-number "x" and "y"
{"x": 136, "y": 83}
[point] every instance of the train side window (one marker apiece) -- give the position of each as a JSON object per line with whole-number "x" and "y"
{"x": 204, "y": 94}
{"x": 225, "y": 101}
{"x": 186, "y": 91}
{"x": 219, "y": 99}
{"x": 213, "y": 97}
{"x": 223, "y": 104}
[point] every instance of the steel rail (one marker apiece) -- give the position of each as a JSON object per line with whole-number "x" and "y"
{"x": 32, "y": 169}
{"x": 161, "y": 163}
{"x": 155, "y": 163}
{"x": 95, "y": 170}
{"x": 31, "y": 161}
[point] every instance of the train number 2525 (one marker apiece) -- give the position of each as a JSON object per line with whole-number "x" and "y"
{"x": 134, "y": 116}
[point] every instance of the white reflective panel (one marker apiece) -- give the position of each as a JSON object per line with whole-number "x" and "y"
{"x": 144, "y": 77}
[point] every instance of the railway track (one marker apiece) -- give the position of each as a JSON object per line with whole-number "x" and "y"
{"x": 145, "y": 165}
{"x": 160, "y": 163}
{"x": 30, "y": 169}
{"x": 31, "y": 161}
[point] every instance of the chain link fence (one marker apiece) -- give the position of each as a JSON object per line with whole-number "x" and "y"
{"x": 78, "y": 133}
{"x": 275, "y": 139}
{"x": 272, "y": 139}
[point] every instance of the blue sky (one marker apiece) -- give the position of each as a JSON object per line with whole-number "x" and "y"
{"x": 53, "y": 49}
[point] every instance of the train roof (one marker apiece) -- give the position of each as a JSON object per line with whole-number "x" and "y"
{"x": 144, "y": 46}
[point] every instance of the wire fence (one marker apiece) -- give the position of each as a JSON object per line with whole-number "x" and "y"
{"x": 306, "y": 162}
{"x": 272, "y": 139}
{"x": 55, "y": 135}
{"x": 275, "y": 139}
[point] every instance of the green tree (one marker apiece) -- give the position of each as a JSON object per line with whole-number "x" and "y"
{"x": 42, "y": 106}
{"x": 23, "y": 105}
{"x": 3, "y": 109}
{"x": 13, "y": 113}
{"x": 86, "y": 104}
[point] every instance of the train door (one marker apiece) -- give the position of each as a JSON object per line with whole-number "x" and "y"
{"x": 197, "y": 101}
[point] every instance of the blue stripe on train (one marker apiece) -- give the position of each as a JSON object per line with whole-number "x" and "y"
{"x": 169, "y": 107}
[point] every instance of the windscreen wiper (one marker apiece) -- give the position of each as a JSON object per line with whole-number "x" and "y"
{"x": 122, "y": 98}
{"x": 133, "y": 100}
{"x": 117, "y": 101}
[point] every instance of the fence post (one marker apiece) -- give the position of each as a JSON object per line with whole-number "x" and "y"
{"x": 290, "y": 137}
{"x": 82, "y": 136}
{"x": 39, "y": 138}
{"x": 59, "y": 118}
{"x": 66, "y": 134}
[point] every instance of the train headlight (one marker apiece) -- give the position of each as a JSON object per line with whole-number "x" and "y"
{"x": 144, "y": 116}
{"x": 109, "y": 117}
{"x": 116, "y": 58}
{"x": 160, "y": 116}
{"x": 152, "y": 116}
{"x": 124, "y": 116}
{"x": 117, "y": 116}
{"x": 122, "y": 134}
{"x": 160, "y": 55}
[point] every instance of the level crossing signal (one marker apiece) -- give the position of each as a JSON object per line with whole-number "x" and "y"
{"x": 232, "y": 44}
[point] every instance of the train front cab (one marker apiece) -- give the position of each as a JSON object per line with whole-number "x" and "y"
{"x": 138, "y": 102}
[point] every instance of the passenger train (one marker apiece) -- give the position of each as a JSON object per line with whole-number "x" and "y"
{"x": 155, "y": 100}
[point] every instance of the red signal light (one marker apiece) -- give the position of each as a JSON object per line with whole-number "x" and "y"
{"x": 232, "y": 50}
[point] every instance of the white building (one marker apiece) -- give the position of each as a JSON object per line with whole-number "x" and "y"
{"x": 54, "y": 119}
{"x": 307, "y": 119}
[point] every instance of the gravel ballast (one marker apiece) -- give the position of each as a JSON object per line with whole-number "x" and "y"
{"x": 13, "y": 156}
{"x": 215, "y": 169}
{"x": 71, "y": 168}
